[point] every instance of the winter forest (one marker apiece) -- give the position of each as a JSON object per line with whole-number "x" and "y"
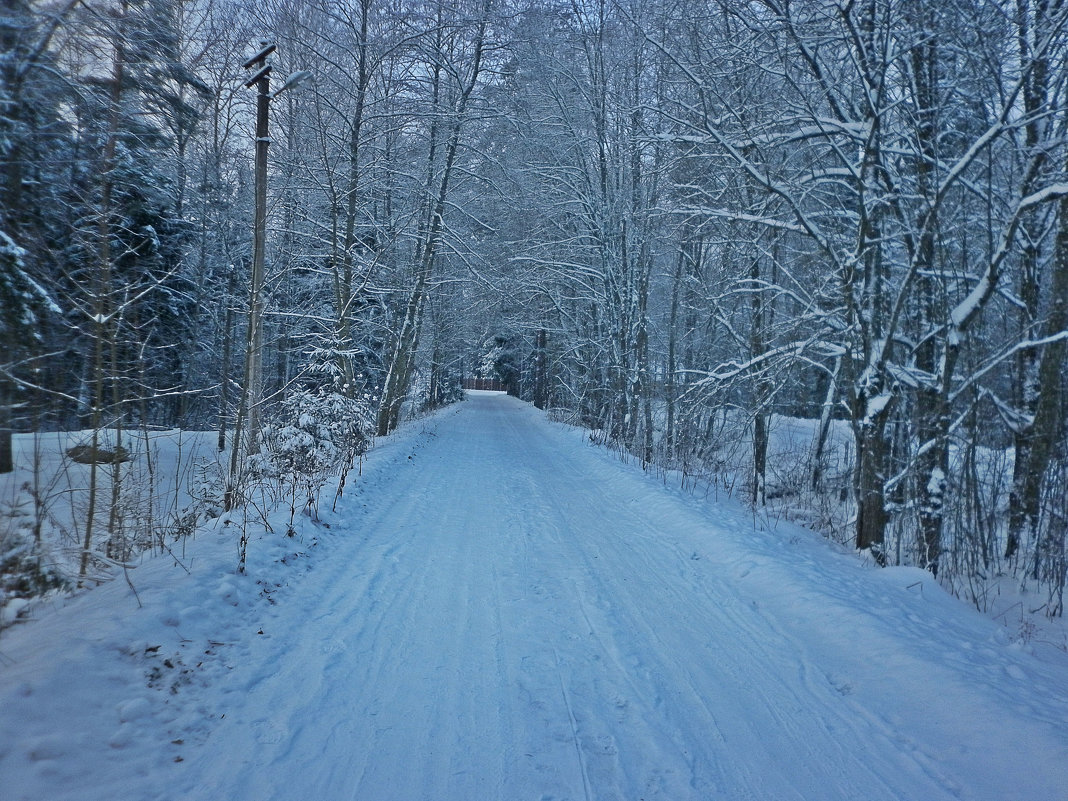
{"x": 812, "y": 254}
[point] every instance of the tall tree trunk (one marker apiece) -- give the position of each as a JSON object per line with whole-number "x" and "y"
{"x": 932, "y": 401}
{"x": 671, "y": 367}
{"x": 344, "y": 274}
{"x": 541, "y": 369}
{"x": 227, "y": 355}
{"x": 7, "y": 460}
{"x": 826, "y": 415}
{"x": 870, "y": 474}
{"x": 1048, "y": 426}
{"x": 761, "y": 388}
{"x": 103, "y": 313}
{"x": 1036, "y": 105}
{"x": 644, "y": 388}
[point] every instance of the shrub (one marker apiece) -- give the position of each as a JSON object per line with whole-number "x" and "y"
{"x": 317, "y": 434}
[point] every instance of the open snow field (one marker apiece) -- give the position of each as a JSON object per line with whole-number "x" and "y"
{"x": 499, "y": 611}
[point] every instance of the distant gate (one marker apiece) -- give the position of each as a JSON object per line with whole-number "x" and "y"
{"x": 489, "y": 384}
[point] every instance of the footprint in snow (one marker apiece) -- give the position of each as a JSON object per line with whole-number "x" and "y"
{"x": 744, "y": 569}
{"x": 269, "y": 733}
{"x": 333, "y": 647}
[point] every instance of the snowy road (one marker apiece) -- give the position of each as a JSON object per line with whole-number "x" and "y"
{"x": 516, "y": 628}
{"x": 509, "y": 614}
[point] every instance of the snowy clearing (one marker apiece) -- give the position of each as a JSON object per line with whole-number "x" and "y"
{"x": 499, "y": 611}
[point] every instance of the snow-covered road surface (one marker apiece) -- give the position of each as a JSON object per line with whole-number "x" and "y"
{"x": 502, "y": 612}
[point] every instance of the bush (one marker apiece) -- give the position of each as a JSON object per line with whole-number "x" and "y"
{"x": 24, "y": 572}
{"x": 318, "y": 433}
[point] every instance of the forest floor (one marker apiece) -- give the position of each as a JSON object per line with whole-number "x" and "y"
{"x": 497, "y": 610}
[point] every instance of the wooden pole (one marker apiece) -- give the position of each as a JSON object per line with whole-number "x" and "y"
{"x": 248, "y": 409}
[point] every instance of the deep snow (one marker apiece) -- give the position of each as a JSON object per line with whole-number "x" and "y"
{"x": 499, "y": 611}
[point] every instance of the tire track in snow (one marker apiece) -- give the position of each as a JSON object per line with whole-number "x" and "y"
{"x": 849, "y": 722}
{"x": 615, "y": 536}
{"x": 790, "y": 708}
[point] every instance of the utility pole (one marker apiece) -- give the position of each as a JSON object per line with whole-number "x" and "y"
{"x": 248, "y": 412}
{"x": 251, "y": 388}
{"x": 261, "y": 79}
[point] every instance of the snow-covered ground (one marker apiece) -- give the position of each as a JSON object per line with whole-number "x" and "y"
{"x": 499, "y": 611}
{"x": 167, "y": 469}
